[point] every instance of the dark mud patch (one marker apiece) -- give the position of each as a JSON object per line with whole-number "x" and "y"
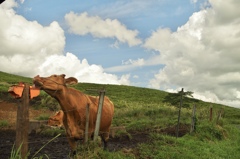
{"x": 172, "y": 130}
{"x": 59, "y": 147}
{"x": 128, "y": 141}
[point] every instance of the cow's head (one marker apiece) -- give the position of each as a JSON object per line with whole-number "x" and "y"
{"x": 53, "y": 82}
{"x": 56, "y": 120}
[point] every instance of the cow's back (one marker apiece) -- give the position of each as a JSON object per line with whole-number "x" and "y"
{"x": 107, "y": 112}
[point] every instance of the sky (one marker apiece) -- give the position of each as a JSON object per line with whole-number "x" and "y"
{"x": 161, "y": 44}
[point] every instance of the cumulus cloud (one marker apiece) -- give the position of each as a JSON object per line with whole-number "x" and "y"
{"x": 83, "y": 24}
{"x": 79, "y": 69}
{"x": 28, "y": 49}
{"x": 24, "y": 45}
{"x": 8, "y": 5}
{"x": 203, "y": 54}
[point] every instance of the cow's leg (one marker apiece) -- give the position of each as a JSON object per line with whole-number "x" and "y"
{"x": 90, "y": 133}
{"x": 73, "y": 144}
{"x": 104, "y": 142}
{"x": 105, "y": 137}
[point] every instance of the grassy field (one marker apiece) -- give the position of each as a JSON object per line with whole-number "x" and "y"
{"x": 150, "y": 111}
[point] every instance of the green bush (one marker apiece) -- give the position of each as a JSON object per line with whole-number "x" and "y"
{"x": 43, "y": 117}
{"x": 52, "y": 132}
{"x": 210, "y": 132}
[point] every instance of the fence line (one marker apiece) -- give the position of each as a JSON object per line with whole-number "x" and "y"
{"x": 107, "y": 132}
{"x": 101, "y": 132}
{"x": 220, "y": 114}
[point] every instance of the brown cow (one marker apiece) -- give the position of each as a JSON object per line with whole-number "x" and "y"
{"x": 73, "y": 103}
{"x": 56, "y": 119}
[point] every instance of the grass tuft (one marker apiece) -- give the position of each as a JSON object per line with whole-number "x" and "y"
{"x": 4, "y": 123}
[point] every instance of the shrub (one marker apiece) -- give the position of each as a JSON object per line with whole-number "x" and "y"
{"x": 208, "y": 131}
{"x": 43, "y": 117}
{"x": 52, "y": 132}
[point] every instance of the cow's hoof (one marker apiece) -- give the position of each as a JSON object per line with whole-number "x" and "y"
{"x": 73, "y": 153}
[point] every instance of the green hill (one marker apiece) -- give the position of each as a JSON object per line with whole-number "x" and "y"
{"x": 143, "y": 110}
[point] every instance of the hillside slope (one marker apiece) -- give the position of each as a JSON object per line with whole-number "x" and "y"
{"x": 152, "y": 112}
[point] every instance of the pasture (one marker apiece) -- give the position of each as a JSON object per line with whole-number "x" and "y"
{"x": 150, "y": 118}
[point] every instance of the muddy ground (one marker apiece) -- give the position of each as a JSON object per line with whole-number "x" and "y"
{"x": 59, "y": 148}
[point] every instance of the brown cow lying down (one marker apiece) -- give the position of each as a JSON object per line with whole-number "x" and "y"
{"x": 73, "y": 103}
{"x": 56, "y": 119}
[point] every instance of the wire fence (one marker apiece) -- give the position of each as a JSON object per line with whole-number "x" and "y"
{"x": 92, "y": 103}
{"x": 64, "y": 136}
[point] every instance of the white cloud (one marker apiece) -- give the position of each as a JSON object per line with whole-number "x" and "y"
{"x": 127, "y": 65}
{"x": 72, "y": 66}
{"x": 115, "y": 45}
{"x": 24, "y": 45}
{"x": 136, "y": 77}
{"x": 120, "y": 68}
{"x": 193, "y": 1}
{"x": 131, "y": 64}
{"x": 138, "y": 62}
{"x": 28, "y": 49}
{"x": 8, "y": 4}
{"x": 21, "y": 1}
{"x": 83, "y": 24}
{"x": 202, "y": 55}
{"x": 125, "y": 79}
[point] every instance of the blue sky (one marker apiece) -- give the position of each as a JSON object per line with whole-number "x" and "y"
{"x": 160, "y": 44}
{"x": 143, "y": 16}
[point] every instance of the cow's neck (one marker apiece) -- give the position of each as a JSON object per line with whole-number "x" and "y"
{"x": 65, "y": 96}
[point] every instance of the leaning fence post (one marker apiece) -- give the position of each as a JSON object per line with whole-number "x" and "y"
{"x": 22, "y": 124}
{"x": 87, "y": 123}
{"x": 219, "y": 115}
{"x": 179, "y": 112}
{"x": 193, "y": 119}
{"x": 99, "y": 114}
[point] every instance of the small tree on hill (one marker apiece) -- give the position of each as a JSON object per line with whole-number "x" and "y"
{"x": 174, "y": 98}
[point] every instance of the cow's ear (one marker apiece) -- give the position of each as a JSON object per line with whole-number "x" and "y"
{"x": 63, "y": 75}
{"x": 71, "y": 80}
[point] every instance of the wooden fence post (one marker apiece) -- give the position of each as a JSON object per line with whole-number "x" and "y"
{"x": 219, "y": 115}
{"x": 22, "y": 124}
{"x": 210, "y": 117}
{"x": 179, "y": 113}
{"x": 87, "y": 123}
{"x": 193, "y": 119}
{"x": 99, "y": 114}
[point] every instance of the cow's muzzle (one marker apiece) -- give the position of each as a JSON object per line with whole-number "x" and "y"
{"x": 37, "y": 81}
